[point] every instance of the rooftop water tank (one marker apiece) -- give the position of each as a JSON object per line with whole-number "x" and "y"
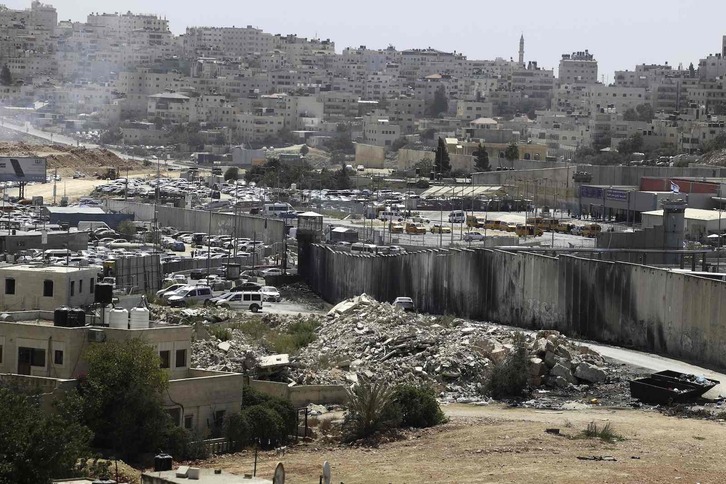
{"x": 60, "y": 316}
{"x": 118, "y": 319}
{"x": 139, "y": 318}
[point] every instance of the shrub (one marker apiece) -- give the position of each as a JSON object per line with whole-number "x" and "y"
{"x": 287, "y": 413}
{"x": 606, "y": 433}
{"x": 418, "y": 406}
{"x": 509, "y": 378}
{"x": 183, "y": 445}
{"x": 266, "y": 425}
{"x": 369, "y": 411}
{"x": 237, "y": 430}
{"x": 219, "y": 332}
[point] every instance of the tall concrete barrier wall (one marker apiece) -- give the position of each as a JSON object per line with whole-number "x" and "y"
{"x": 267, "y": 230}
{"x": 613, "y": 302}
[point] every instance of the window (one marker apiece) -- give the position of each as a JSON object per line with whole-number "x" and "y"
{"x": 9, "y": 286}
{"x": 73, "y": 287}
{"x": 92, "y": 285}
{"x": 47, "y": 288}
{"x": 58, "y": 357}
{"x": 181, "y": 358}
{"x": 37, "y": 357}
{"x": 80, "y": 287}
{"x": 164, "y": 355}
{"x": 188, "y": 421}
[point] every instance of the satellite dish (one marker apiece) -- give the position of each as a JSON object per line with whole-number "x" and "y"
{"x": 279, "y": 477}
{"x": 326, "y": 472}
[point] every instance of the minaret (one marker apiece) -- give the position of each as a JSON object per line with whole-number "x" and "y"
{"x": 521, "y": 50}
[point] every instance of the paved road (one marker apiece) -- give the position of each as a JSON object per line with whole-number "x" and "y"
{"x": 655, "y": 363}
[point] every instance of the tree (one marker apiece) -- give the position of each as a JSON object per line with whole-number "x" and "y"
{"x": 36, "y": 446}
{"x": 304, "y": 150}
{"x": 122, "y": 398}
{"x": 481, "y": 158}
{"x": 442, "y": 162}
{"x": 632, "y": 144}
{"x": 716, "y": 144}
{"x": 440, "y": 103}
{"x": 424, "y": 167}
{"x": 642, "y": 112}
{"x": 511, "y": 153}
{"x": 428, "y": 134}
{"x": 232, "y": 173}
{"x": 6, "y": 77}
{"x": 691, "y": 71}
{"x": 126, "y": 228}
{"x": 369, "y": 406}
{"x": 398, "y": 144}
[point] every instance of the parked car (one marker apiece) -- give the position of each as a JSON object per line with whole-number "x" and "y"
{"x": 222, "y": 297}
{"x": 470, "y": 236}
{"x": 438, "y": 228}
{"x": 171, "y": 289}
{"x": 177, "y": 246}
{"x": 190, "y": 295}
{"x": 405, "y": 303}
{"x": 272, "y": 271}
{"x": 254, "y": 301}
{"x": 247, "y": 286}
{"x": 270, "y": 293}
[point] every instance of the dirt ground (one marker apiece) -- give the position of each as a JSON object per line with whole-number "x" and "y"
{"x": 72, "y": 188}
{"x": 501, "y": 444}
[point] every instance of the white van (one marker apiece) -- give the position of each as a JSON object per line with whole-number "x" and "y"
{"x": 275, "y": 209}
{"x": 457, "y": 217}
{"x": 189, "y": 295}
{"x": 254, "y": 301}
{"x": 88, "y": 225}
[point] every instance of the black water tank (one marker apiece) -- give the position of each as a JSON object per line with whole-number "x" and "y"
{"x": 60, "y": 316}
{"x": 103, "y": 293}
{"x": 163, "y": 462}
{"x": 76, "y": 318}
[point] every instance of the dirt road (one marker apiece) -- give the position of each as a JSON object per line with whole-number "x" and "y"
{"x": 499, "y": 444}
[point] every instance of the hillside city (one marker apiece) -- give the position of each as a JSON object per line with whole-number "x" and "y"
{"x": 234, "y": 256}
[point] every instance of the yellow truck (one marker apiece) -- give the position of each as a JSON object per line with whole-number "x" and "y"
{"x": 440, "y": 229}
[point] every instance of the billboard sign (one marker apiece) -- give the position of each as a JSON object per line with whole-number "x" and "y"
{"x": 22, "y": 169}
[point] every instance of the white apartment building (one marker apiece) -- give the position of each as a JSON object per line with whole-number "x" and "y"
{"x": 170, "y": 106}
{"x": 578, "y": 68}
{"x": 379, "y": 130}
{"x": 258, "y": 125}
{"x": 601, "y": 98}
{"x": 231, "y": 41}
{"x": 470, "y": 110}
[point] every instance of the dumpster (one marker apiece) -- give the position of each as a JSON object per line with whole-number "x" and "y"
{"x": 669, "y": 386}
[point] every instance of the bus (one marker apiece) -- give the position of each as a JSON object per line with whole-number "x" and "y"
{"x": 276, "y": 209}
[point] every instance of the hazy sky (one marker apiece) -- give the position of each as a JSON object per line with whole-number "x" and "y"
{"x": 619, "y": 33}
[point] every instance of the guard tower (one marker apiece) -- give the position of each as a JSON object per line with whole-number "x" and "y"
{"x": 674, "y": 223}
{"x": 309, "y": 231}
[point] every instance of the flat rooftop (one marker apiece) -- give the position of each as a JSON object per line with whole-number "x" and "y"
{"x": 694, "y": 214}
{"x": 47, "y": 269}
{"x": 206, "y": 476}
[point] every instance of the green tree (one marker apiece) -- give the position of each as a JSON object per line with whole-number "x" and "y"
{"x": 509, "y": 378}
{"x": 481, "y": 158}
{"x": 442, "y": 162}
{"x": 631, "y": 144}
{"x": 126, "y": 228}
{"x": 691, "y": 71}
{"x": 428, "y": 134}
{"x": 369, "y": 411}
{"x": 342, "y": 179}
{"x": 6, "y": 77}
{"x": 232, "y": 173}
{"x": 122, "y": 397}
{"x": 440, "y": 104}
{"x": 417, "y": 406}
{"x": 424, "y": 167}
{"x": 511, "y": 153}
{"x": 36, "y": 446}
{"x": 304, "y": 150}
{"x": 645, "y": 112}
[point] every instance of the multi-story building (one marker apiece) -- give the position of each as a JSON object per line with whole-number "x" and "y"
{"x": 578, "y": 68}
{"x": 37, "y": 354}
{"x": 226, "y": 41}
{"x": 601, "y": 99}
{"x": 379, "y": 131}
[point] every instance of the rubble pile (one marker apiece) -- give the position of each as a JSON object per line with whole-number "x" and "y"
{"x": 235, "y": 354}
{"x": 364, "y": 338}
{"x": 169, "y": 315}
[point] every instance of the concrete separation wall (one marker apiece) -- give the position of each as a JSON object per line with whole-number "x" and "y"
{"x": 302, "y": 395}
{"x": 613, "y": 302}
{"x": 267, "y": 230}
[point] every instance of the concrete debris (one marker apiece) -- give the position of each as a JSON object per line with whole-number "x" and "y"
{"x": 169, "y": 315}
{"x": 362, "y": 337}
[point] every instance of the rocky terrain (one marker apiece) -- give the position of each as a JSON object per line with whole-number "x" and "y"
{"x": 363, "y": 338}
